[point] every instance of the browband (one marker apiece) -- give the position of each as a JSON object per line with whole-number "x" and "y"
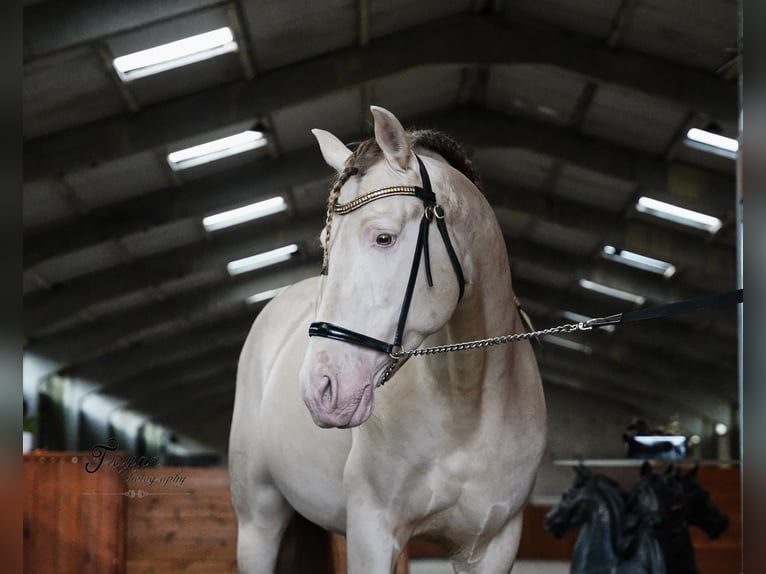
{"x": 344, "y": 208}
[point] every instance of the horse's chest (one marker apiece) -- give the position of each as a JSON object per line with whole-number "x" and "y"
{"x": 460, "y": 495}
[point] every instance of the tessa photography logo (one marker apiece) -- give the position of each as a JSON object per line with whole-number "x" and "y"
{"x": 133, "y": 470}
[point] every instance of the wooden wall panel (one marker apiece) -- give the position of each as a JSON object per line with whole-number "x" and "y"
{"x": 191, "y": 526}
{"x": 74, "y": 521}
{"x": 723, "y": 555}
{"x": 182, "y": 527}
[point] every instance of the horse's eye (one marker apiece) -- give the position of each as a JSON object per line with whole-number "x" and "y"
{"x": 384, "y": 239}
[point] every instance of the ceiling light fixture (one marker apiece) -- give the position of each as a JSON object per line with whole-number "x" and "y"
{"x": 612, "y": 292}
{"x": 216, "y": 149}
{"x": 265, "y": 295}
{"x": 244, "y": 214}
{"x": 175, "y": 54}
{"x": 676, "y": 214}
{"x": 712, "y": 142}
{"x": 638, "y": 261}
{"x": 261, "y": 260}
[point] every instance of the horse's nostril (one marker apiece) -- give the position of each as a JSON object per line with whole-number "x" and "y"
{"x": 326, "y": 393}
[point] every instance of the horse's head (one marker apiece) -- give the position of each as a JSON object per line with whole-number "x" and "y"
{"x": 375, "y": 296}
{"x": 656, "y": 498}
{"x": 700, "y": 510}
{"x": 578, "y": 504}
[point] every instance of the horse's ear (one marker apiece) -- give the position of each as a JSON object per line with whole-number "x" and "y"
{"x": 391, "y": 138}
{"x": 334, "y": 151}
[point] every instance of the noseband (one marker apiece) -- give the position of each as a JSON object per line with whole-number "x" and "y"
{"x": 432, "y": 211}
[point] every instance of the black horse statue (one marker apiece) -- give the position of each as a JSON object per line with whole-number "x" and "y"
{"x": 695, "y": 508}
{"x": 644, "y": 532}
{"x": 618, "y": 535}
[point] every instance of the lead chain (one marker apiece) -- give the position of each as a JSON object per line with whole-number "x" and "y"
{"x": 568, "y": 328}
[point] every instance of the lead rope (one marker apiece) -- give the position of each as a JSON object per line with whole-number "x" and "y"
{"x": 689, "y": 306}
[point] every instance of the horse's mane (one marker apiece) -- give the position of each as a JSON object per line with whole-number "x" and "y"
{"x": 367, "y": 153}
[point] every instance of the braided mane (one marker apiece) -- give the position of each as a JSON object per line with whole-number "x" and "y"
{"x": 367, "y": 153}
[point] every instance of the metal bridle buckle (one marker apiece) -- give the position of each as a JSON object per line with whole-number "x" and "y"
{"x": 396, "y": 352}
{"x": 438, "y": 211}
{"x": 429, "y": 213}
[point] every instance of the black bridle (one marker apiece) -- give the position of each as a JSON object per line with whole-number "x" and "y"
{"x": 432, "y": 211}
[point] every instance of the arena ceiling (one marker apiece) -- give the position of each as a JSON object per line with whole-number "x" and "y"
{"x": 570, "y": 110}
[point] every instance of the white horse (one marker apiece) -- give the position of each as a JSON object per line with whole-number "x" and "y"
{"x": 451, "y": 448}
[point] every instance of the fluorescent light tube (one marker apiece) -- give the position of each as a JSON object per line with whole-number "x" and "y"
{"x": 244, "y": 214}
{"x": 676, "y": 214}
{"x": 638, "y": 261}
{"x": 265, "y": 295}
{"x": 567, "y": 344}
{"x": 216, "y": 149}
{"x": 175, "y": 54}
{"x": 261, "y": 260}
{"x": 612, "y": 292}
{"x": 712, "y": 142}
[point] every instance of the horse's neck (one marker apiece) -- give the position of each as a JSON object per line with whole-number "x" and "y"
{"x": 487, "y": 310}
{"x": 593, "y": 548}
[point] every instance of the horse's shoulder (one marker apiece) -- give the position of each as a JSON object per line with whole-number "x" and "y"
{"x": 280, "y": 318}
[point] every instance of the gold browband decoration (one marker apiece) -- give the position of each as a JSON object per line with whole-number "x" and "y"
{"x": 344, "y": 208}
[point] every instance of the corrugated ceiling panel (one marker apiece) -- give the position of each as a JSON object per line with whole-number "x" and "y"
{"x": 593, "y": 188}
{"x": 339, "y": 113}
{"x": 387, "y": 16}
{"x": 633, "y": 119}
{"x": 43, "y": 203}
{"x": 688, "y": 31}
{"x": 311, "y": 198}
{"x": 120, "y": 179}
{"x": 540, "y": 92}
{"x": 293, "y": 30}
{"x": 67, "y": 89}
{"x": 540, "y": 274}
{"x": 513, "y": 166}
{"x": 568, "y": 239}
{"x": 127, "y": 302}
{"x": 82, "y": 262}
{"x": 513, "y": 223}
{"x": 418, "y": 90}
{"x": 194, "y": 281}
{"x": 593, "y": 17}
{"x": 163, "y": 238}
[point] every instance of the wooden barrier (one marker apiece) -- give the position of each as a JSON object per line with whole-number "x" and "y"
{"x": 74, "y": 521}
{"x": 181, "y": 520}
{"x": 186, "y": 524}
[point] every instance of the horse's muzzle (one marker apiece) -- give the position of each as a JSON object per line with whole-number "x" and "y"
{"x": 333, "y": 402}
